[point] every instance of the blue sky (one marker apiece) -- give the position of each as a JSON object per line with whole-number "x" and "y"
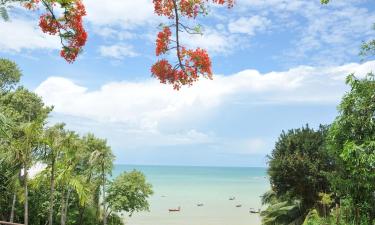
{"x": 278, "y": 64}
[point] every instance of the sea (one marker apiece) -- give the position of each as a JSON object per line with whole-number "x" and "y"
{"x": 212, "y": 188}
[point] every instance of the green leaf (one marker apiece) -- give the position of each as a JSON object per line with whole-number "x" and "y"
{"x": 4, "y": 13}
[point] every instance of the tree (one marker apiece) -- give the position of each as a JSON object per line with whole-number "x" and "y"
{"x": 10, "y": 75}
{"x": 190, "y": 63}
{"x": 54, "y": 140}
{"x": 71, "y": 179}
{"x": 25, "y": 146}
{"x": 129, "y": 192}
{"x": 352, "y": 143}
{"x": 101, "y": 161}
{"x": 368, "y": 48}
{"x": 297, "y": 169}
{"x": 62, "y": 18}
{"x": 28, "y": 115}
{"x": 281, "y": 210}
{"x": 298, "y": 164}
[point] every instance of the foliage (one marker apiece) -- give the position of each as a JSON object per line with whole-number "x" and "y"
{"x": 352, "y": 143}
{"x": 281, "y": 210}
{"x": 368, "y": 48}
{"x": 129, "y": 193}
{"x": 298, "y": 163}
{"x": 9, "y": 75}
{"x": 335, "y": 183}
{"x": 65, "y": 19}
{"x": 70, "y": 189}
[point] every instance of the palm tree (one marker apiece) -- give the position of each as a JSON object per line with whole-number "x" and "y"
{"x": 54, "y": 139}
{"x": 101, "y": 160}
{"x": 281, "y": 210}
{"x": 24, "y": 148}
{"x": 63, "y": 159}
{"x": 70, "y": 178}
{"x": 9, "y": 178}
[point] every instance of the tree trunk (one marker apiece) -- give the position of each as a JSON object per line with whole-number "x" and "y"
{"x": 83, "y": 208}
{"x": 81, "y": 213}
{"x": 356, "y": 215}
{"x": 52, "y": 190}
{"x": 337, "y": 214}
{"x": 64, "y": 207}
{"x": 13, "y": 208}
{"x": 104, "y": 205}
{"x": 26, "y": 206}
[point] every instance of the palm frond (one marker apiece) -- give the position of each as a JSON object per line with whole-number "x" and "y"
{"x": 284, "y": 212}
{"x": 4, "y": 13}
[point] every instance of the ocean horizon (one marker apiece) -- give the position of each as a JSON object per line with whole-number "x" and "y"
{"x": 211, "y": 187}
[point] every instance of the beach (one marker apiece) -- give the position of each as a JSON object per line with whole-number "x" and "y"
{"x": 186, "y": 187}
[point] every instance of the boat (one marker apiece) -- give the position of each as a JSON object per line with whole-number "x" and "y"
{"x": 239, "y": 205}
{"x": 252, "y": 210}
{"x": 232, "y": 198}
{"x": 175, "y": 210}
{"x": 200, "y": 204}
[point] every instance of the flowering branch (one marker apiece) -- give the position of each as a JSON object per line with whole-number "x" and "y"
{"x": 191, "y": 64}
{"x": 69, "y": 26}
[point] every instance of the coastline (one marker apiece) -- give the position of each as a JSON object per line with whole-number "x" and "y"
{"x": 186, "y": 187}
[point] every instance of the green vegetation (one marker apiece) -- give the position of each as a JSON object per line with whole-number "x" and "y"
{"x": 327, "y": 176}
{"x": 129, "y": 193}
{"x": 72, "y": 187}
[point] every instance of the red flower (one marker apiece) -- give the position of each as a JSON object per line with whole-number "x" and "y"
{"x": 163, "y": 40}
{"x": 69, "y": 26}
{"x": 191, "y": 64}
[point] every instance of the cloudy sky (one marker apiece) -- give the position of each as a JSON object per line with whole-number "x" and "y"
{"x": 278, "y": 64}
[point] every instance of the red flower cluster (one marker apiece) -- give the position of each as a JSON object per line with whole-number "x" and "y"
{"x": 32, "y": 4}
{"x": 163, "y": 41}
{"x": 164, "y": 8}
{"x": 48, "y": 24}
{"x": 191, "y": 63}
{"x": 68, "y": 26}
{"x": 188, "y": 8}
{"x": 230, "y": 3}
{"x": 194, "y": 63}
{"x": 197, "y": 62}
{"x": 74, "y": 25}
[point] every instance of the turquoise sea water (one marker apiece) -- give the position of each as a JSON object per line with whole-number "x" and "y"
{"x": 182, "y": 186}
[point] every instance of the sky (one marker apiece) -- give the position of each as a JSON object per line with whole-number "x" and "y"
{"x": 278, "y": 65}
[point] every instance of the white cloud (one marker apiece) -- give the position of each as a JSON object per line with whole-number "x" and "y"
{"x": 321, "y": 34}
{"x": 249, "y": 25}
{"x": 145, "y": 119}
{"x": 21, "y": 34}
{"x": 112, "y": 33}
{"x": 119, "y": 51}
{"x": 144, "y": 105}
{"x": 212, "y": 40}
{"x": 125, "y": 13}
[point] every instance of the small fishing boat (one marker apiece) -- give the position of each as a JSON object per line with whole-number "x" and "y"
{"x": 175, "y": 210}
{"x": 232, "y": 198}
{"x": 200, "y": 204}
{"x": 252, "y": 210}
{"x": 239, "y": 205}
